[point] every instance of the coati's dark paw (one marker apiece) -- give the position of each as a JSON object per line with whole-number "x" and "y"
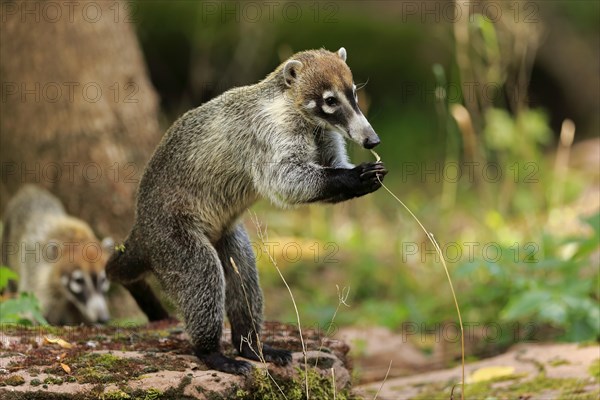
{"x": 270, "y": 354}
{"x": 370, "y": 176}
{"x": 219, "y": 362}
{"x": 277, "y": 356}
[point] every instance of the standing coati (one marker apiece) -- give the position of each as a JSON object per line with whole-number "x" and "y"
{"x": 57, "y": 257}
{"x": 282, "y": 139}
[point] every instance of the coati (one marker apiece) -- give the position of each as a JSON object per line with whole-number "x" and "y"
{"x": 57, "y": 257}
{"x": 283, "y": 139}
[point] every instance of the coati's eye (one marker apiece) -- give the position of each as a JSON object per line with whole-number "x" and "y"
{"x": 331, "y": 101}
{"x": 76, "y": 283}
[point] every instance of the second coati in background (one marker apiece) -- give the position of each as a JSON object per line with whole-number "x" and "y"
{"x": 58, "y": 258}
{"x": 283, "y": 139}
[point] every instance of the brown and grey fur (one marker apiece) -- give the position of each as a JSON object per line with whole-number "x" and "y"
{"x": 57, "y": 257}
{"x": 276, "y": 139}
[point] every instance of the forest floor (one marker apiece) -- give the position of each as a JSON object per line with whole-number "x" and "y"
{"x": 155, "y": 362}
{"x": 526, "y": 372}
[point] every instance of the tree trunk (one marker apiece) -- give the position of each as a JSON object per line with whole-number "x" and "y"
{"x": 78, "y": 112}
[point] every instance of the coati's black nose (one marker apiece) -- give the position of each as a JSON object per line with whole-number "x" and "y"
{"x": 103, "y": 320}
{"x": 370, "y": 143}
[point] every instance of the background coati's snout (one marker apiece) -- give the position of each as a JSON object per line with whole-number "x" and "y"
{"x": 86, "y": 290}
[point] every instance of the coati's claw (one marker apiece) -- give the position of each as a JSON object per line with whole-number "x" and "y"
{"x": 277, "y": 356}
{"x": 219, "y": 362}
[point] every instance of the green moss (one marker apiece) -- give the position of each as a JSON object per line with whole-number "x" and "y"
{"x": 53, "y": 380}
{"x": 153, "y": 394}
{"x": 558, "y": 361}
{"x": 262, "y": 387}
{"x": 587, "y": 343}
{"x": 12, "y": 380}
{"x": 114, "y": 395}
{"x": 35, "y": 382}
{"x": 107, "y": 368}
{"x": 569, "y": 388}
{"x": 594, "y": 369}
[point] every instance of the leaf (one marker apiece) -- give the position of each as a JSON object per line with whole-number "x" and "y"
{"x": 24, "y": 308}
{"x": 488, "y": 373}
{"x": 61, "y": 342}
{"x": 526, "y": 304}
{"x": 66, "y": 368}
{"x": 554, "y": 312}
{"x": 533, "y": 124}
{"x": 499, "y": 129}
{"x": 594, "y": 222}
{"x": 7, "y": 274}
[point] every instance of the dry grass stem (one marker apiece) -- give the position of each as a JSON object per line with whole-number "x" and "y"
{"x": 384, "y": 379}
{"x": 561, "y": 163}
{"x": 342, "y": 298}
{"x": 261, "y": 237}
{"x": 333, "y": 381}
{"x": 439, "y": 251}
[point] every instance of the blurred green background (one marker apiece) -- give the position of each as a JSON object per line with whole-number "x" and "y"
{"x": 522, "y": 247}
{"x": 488, "y": 116}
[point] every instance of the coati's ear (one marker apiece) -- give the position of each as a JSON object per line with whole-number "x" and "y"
{"x": 342, "y": 53}
{"x": 290, "y": 71}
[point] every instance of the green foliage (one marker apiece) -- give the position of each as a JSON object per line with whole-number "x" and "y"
{"x": 6, "y": 275}
{"x": 561, "y": 290}
{"x": 24, "y": 309}
{"x": 558, "y": 289}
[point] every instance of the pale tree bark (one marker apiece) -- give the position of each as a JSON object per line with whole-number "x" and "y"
{"x": 78, "y": 114}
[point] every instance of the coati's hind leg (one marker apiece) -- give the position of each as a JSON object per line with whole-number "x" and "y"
{"x": 244, "y": 304}
{"x": 128, "y": 267}
{"x": 192, "y": 272}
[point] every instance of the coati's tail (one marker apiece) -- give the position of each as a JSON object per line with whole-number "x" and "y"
{"x": 127, "y": 267}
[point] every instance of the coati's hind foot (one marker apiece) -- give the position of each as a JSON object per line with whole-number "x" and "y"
{"x": 219, "y": 362}
{"x": 270, "y": 354}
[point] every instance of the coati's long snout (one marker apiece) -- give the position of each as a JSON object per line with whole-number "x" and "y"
{"x": 363, "y": 133}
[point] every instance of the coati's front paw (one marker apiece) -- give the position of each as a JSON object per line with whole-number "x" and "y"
{"x": 219, "y": 362}
{"x": 269, "y": 354}
{"x": 370, "y": 176}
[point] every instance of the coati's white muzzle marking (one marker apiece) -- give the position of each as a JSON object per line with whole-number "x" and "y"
{"x": 86, "y": 295}
{"x": 96, "y": 308}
